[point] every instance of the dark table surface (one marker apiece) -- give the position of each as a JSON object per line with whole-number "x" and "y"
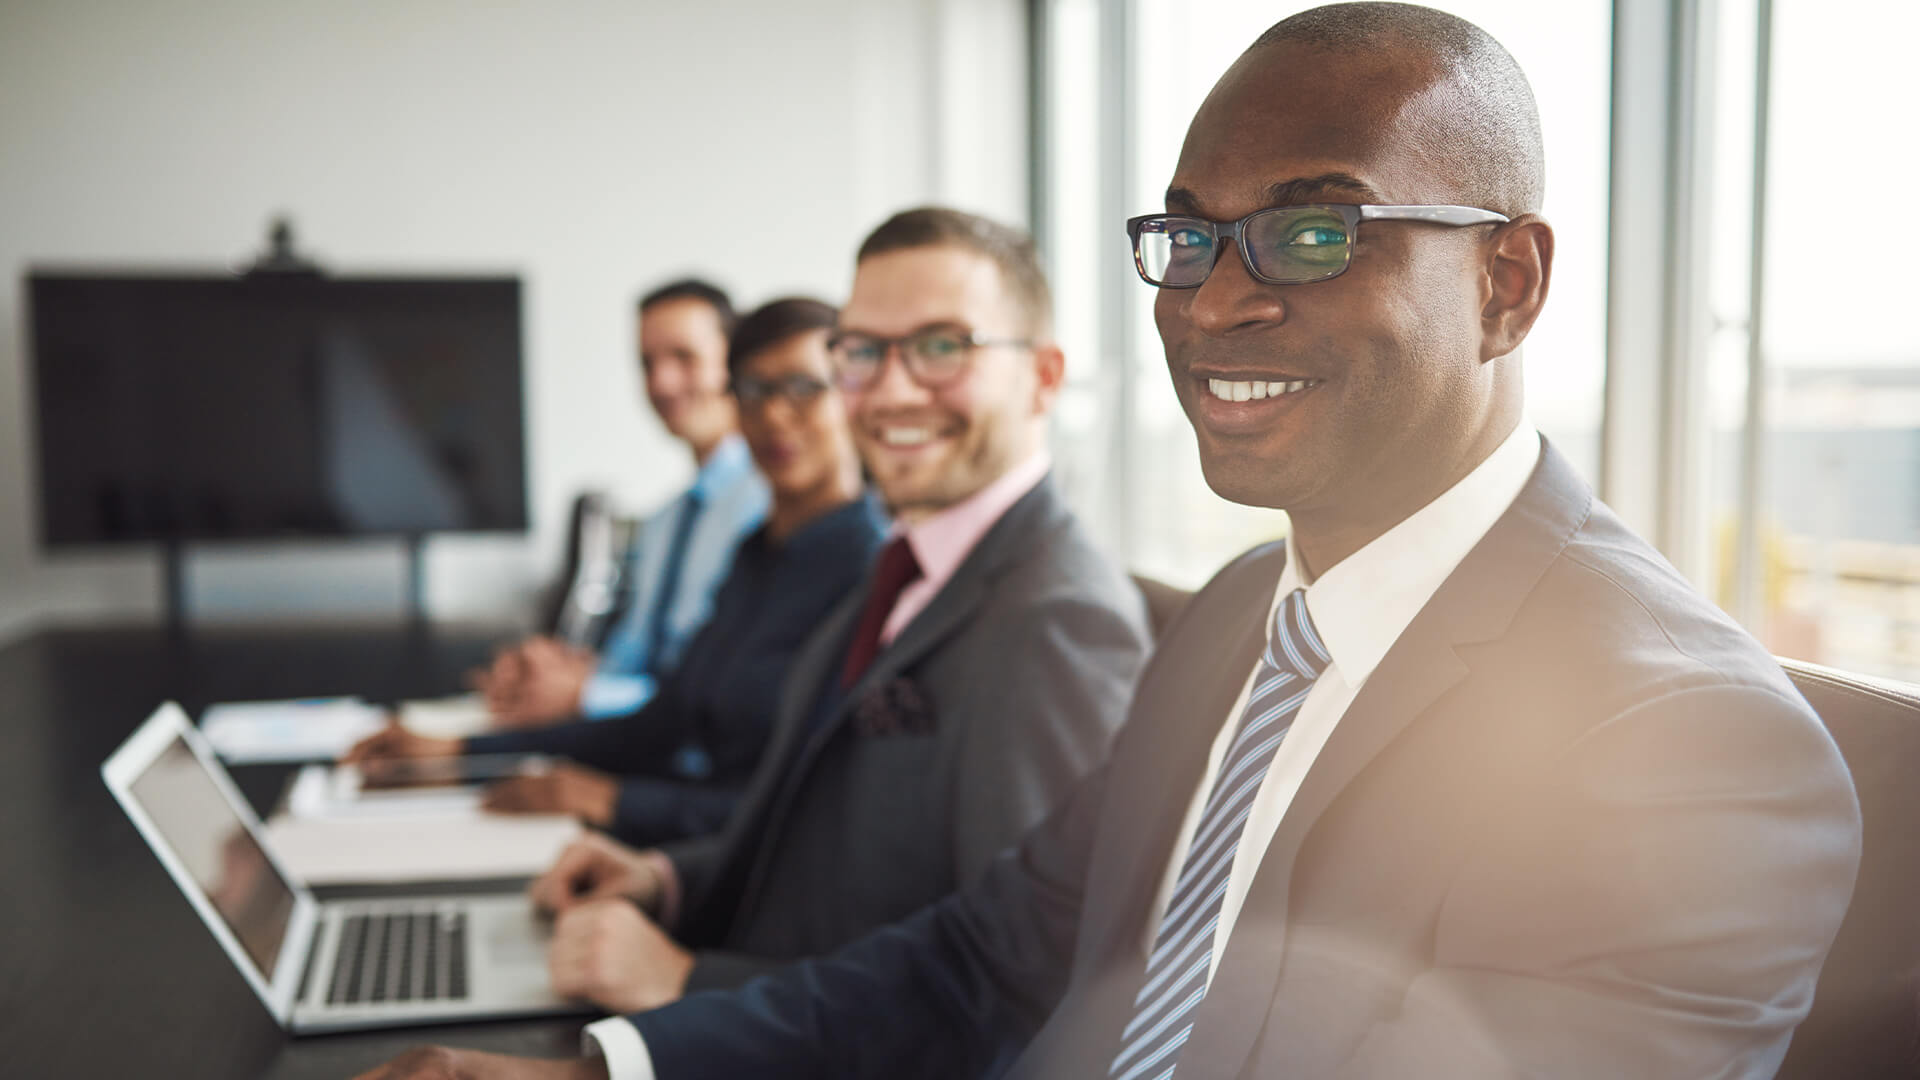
{"x": 105, "y": 971}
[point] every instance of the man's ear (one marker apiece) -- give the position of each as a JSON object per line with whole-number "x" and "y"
{"x": 1050, "y": 373}
{"x": 1519, "y": 268}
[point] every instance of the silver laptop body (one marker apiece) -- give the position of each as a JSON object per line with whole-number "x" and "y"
{"x": 321, "y": 965}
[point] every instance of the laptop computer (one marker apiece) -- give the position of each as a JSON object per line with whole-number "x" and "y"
{"x": 333, "y": 965}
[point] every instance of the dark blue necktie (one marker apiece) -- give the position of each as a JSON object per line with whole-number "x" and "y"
{"x": 1163, "y": 1010}
{"x": 659, "y": 657}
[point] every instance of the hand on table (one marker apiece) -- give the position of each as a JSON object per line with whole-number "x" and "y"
{"x": 443, "y": 1063}
{"x": 536, "y": 682}
{"x": 559, "y": 789}
{"x": 396, "y": 743}
{"x": 596, "y": 867}
{"x": 607, "y": 952}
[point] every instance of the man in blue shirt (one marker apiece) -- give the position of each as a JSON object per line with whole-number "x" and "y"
{"x": 681, "y": 554}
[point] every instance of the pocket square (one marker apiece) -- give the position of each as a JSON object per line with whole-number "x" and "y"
{"x": 895, "y": 707}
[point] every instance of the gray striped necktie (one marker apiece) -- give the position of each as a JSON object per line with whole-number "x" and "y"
{"x": 1163, "y": 1011}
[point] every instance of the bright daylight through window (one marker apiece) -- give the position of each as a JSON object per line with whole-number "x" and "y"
{"x": 1831, "y": 571}
{"x": 1806, "y": 527}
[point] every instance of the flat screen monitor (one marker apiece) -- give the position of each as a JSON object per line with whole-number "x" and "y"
{"x": 198, "y": 408}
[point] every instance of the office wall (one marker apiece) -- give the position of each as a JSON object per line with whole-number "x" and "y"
{"x": 592, "y": 147}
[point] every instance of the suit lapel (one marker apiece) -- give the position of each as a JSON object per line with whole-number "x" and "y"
{"x": 1475, "y": 603}
{"x": 826, "y": 651}
{"x": 1015, "y": 534}
{"x": 950, "y": 608}
{"x": 1417, "y": 671}
{"x": 798, "y": 744}
{"x": 1167, "y": 760}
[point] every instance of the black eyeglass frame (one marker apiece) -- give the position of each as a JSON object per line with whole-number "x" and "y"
{"x": 780, "y": 387}
{"x": 1350, "y": 213}
{"x": 910, "y": 358}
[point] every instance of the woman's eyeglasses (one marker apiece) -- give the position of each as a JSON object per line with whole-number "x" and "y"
{"x": 796, "y": 389}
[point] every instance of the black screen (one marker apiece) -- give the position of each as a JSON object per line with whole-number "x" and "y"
{"x": 181, "y": 799}
{"x": 200, "y": 408}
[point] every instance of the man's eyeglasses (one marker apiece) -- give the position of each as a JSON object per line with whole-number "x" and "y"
{"x": 797, "y": 389}
{"x": 1281, "y": 245}
{"x": 933, "y": 355}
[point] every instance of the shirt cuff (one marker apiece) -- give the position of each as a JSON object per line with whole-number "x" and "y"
{"x": 619, "y": 1042}
{"x": 667, "y": 912}
{"x": 614, "y": 695}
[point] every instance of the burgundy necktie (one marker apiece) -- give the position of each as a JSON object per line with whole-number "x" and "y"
{"x": 896, "y": 570}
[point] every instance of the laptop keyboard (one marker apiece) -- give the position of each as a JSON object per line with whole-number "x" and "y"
{"x": 400, "y": 956}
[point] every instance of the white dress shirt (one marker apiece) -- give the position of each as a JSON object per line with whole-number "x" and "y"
{"x": 1359, "y": 607}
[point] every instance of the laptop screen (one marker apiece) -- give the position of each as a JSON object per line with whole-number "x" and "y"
{"x": 197, "y": 822}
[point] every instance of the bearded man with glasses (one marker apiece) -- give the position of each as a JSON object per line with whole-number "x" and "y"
{"x": 1460, "y": 782}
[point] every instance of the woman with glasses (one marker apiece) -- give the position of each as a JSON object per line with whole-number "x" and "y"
{"x": 675, "y": 768}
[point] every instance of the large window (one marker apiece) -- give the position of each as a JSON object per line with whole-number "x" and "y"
{"x": 1812, "y": 384}
{"x": 1110, "y": 142}
{"x": 1765, "y": 361}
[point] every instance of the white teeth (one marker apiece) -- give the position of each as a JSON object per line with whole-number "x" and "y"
{"x": 905, "y": 436}
{"x": 1253, "y": 391}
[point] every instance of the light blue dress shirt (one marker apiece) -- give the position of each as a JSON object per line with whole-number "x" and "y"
{"x": 729, "y": 501}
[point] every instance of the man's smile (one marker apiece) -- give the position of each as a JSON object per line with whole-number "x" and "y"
{"x": 1256, "y": 389}
{"x": 901, "y": 436}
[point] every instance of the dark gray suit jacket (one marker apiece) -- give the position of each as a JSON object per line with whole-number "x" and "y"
{"x": 968, "y": 728}
{"x": 1576, "y": 824}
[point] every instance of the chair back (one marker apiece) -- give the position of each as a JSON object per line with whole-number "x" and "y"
{"x": 1163, "y": 602}
{"x": 587, "y": 590}
{"x": 1865, "y": 1022}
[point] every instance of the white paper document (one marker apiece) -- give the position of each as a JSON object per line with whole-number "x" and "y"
{"x": 304, "y": 729}
{"x": 453, "y": 717}
{"x": 424, "y": 848}
{"x": 334, "y": 793}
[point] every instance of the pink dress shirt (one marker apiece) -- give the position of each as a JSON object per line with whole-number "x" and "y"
{"x": 942, "y": 542}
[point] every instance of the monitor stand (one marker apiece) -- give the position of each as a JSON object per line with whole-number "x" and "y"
{"x": 173, "y": 587}
{"x": 417, "y": 580}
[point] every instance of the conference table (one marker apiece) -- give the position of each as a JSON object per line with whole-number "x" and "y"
{"x": 105, "y": 971}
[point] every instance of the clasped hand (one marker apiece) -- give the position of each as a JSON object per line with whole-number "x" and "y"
{"x": 536, "y": 682}
{"x": 605, "y": 949}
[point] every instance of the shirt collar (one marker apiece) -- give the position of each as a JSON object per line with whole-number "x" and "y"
{"x": 942, "y": 542}
{"x": 729, "y": 462}
{"x": 1361, "y": 605}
